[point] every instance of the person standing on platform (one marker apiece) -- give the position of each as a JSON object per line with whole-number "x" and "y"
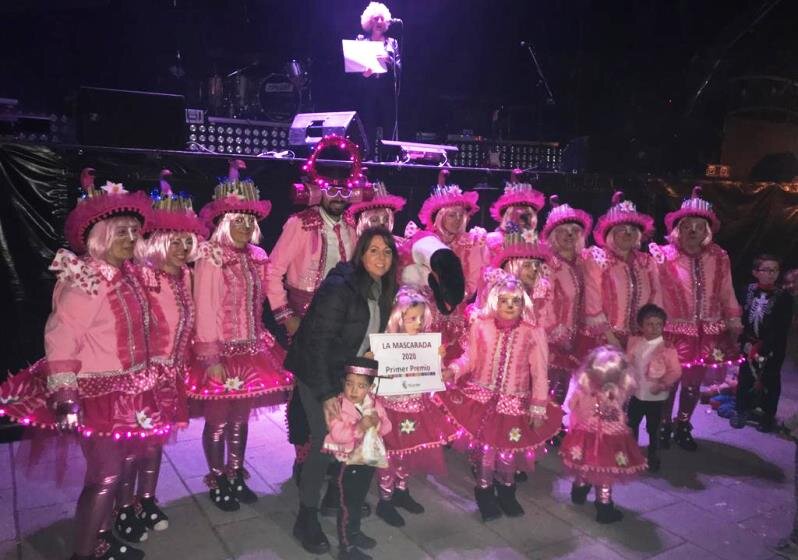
{"x": 379, "y": 91}
{"x": 237, "y": 362}
{"x": 519, "y": 205}
{"x": 619, "y": 278}
{"x": 565, "y": 232}
{"x": 703, "y": 313}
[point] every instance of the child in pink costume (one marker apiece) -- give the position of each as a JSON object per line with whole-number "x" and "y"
{"x": 170, "y": 244}
{"x": 599, "y": 449}
{"x": 359, "y": 412}
{"x": 500, "y": 402}
{"x": 236, "y": 361}
{"x": 421, "y": 427}
{"x": 619, "y": 278}
{"x": 703, "y": 312}
{"x": 445, "y": 215}
{"x": 565, "y": 232}
{"x": 96, "y": 378}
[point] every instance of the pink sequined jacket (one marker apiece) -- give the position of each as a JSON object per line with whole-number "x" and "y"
{"x": 229, "y": 296}
{"x": 565, "y": 313}
{"x": 97, "y": 335}
{"x": 510, "y": 361}
{"x": 296, "y": 267}
{"x": 697, "y": 290}
{"x": 615, "y": 289}
{"x": 345, "y": 435}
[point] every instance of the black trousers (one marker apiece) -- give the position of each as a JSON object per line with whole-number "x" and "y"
{"x": 314, "y": 468}
{"x": 353, "y": 482}
{"x": 652, "y": 411}
{"x": 768, "y": 400}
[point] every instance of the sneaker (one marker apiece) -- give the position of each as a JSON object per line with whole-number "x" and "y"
{"x": 152, "y": 516}
{"x": 111, "y": 548}
{"x": 403, "y": 499}
{"x": 387, "y": 512}
{"x": 129, "y": 526}
{"x": 307, "y": 530}
{"x": 362, "y": 540}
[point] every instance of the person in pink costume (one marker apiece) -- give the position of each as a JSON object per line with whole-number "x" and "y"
{"x": 237, "y": 363}
{"x": 500, "y": 401}
{"x": 347, "y": 438}
{"x": 170, "y": 243}
{"x": 599, "y": 448}
{"x": 445, "y": 215}
{"x": 421, "y": 427}
{"x": 619, "y": 278}
{"x": 565, "y": 233}
{"x": 96, "y": 378}
{"x": 703, "y": 312}
{"x": 379, "y": 211}
{"x": 519, "y": 205}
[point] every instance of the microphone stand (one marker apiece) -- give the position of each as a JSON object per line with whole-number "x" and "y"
{"x": 397, "y": 83}
{"x": 549, "y": 94}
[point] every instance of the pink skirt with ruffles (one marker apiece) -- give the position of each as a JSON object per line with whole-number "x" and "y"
{"x": 602, "y": 458}
{"x": 420, "y": 430}
{"x": 24, "y": 398}
{"x": 499, "y": 421}
{"x": 704, "y": 350}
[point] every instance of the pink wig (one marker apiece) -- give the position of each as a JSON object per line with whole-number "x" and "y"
{"x": 221, "y": 234}
{"x": 606, "y": 374}
{"x": 441, "y": 214}
{"x": 153, "y": 250}
{"x": 673, "y": 236}
{"x": 407, "y": 298}
{"x": 363, "y": 219}
{"x": 580, "y": 239}
{"x": 101, "y": 234}
{"x": 372, "y": 11}
{"x": 507, "y": 285}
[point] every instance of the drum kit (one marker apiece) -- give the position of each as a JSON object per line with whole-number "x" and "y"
{"x": 250, "y": 93}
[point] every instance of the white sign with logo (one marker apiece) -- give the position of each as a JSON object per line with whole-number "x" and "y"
{"x": 409, "y": 363}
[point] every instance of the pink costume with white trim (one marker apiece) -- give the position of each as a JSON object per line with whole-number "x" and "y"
{"x": 345, "y": 436}
{"x": 616, "y": 287}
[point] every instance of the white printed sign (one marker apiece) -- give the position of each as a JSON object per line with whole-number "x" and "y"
{"x": 409, "y": 363}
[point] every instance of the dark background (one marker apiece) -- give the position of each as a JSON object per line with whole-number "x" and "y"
{"x": 625, "y": 73}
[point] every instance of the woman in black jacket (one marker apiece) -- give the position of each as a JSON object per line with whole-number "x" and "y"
{"x": 353, "y": 301}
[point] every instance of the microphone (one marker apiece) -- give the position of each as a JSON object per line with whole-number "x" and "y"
{"x": 396, "y": 20}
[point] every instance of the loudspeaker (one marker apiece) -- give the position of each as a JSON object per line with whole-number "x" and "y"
{"x": 308, "y": 128}
{"x": 131, "y": 119}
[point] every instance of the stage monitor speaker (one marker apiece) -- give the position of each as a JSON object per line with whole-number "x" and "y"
{"x": 308, "y": 128}
{"x": 131, "y": 119}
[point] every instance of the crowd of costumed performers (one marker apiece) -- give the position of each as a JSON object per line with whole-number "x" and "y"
{"x": 157, "y": 311}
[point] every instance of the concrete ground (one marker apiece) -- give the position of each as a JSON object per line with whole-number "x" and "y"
{"x": 732, "y": 499}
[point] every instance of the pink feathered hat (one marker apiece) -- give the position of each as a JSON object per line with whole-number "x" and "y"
{"x": 517, "y": 194}
{"x": 382, "y": 199}
{"x": 444, "y": 195}
{"x": 173, "y": 212}
{"x": 96, "y": 205}
{"x": 235, "y": 195}
{"x": 693, "y": 206}
{"x": 564, "y": 214}
{"x": 520, "y": 244}
{"x": 622, "y": 212}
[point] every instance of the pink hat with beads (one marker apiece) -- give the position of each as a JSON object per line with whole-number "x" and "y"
{"x": 235, "y": 195}
{"x": 517, "y": 194}
{"x": 564, "y": 214}
{"x": 693, "y": 206}
{"x": 622, "y": 212}
{"x": 444, "y": 196}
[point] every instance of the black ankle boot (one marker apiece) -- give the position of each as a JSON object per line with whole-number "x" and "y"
{"x": 108, "y": 547}
{"x": 607, "y": 513}
{"x": 151, "y": 515}
{"x": 403, "y": 499}
{"x": 387, "y": 512}
{"x": 129, "y": 526}
{"x": 223, "y": 496}
{"x": 307, "y": 530}
{"x": 507, "y": 501}
{"x": 487, "y": 503}
{"x": 243, "y": 493}
{"x": 579, "y": 493}
{"x": 665, "y": 436}
{"x": 683, "y": 437}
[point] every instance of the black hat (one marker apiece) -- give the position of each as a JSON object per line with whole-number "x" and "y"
{"x": 362, "y": 366}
